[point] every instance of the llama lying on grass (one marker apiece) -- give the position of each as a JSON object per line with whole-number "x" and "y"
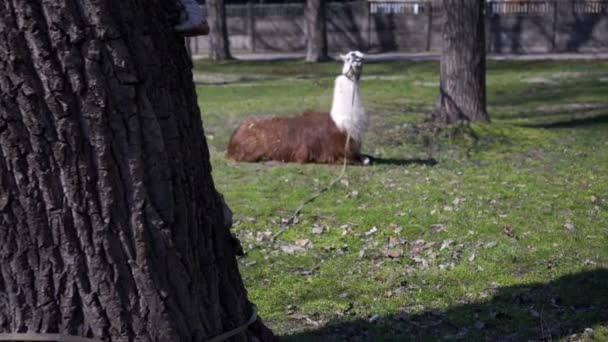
{"x": 313, "y": 137}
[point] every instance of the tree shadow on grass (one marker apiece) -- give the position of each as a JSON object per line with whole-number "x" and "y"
{"x": 535, "y": 311}
{"x": 403, "y": 162}
{"x": 572, "y": 123}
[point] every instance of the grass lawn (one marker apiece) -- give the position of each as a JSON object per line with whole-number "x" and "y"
{"x": 504, "y": 238}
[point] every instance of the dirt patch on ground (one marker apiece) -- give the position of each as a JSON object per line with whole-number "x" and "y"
{"x": 538, "y": 80}
{"x": 221, "y": 79}
{"x": 570, "y": 107}
{"x": 426, "y": 84}
{"x": 555, "y": 78}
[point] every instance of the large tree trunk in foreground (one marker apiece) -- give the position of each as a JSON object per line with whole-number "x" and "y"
{"x": 110, "y": 226}
{"x": 462, "y": 89}
{"x": 219, "y": 45}
{"x": 316, "y": 32}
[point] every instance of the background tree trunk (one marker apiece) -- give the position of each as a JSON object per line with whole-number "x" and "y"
{"x": 316, "y": 32}
{"x": 462, "y": 89}
{"x": 219, "y": 45}
{"x": 110, "y": 225}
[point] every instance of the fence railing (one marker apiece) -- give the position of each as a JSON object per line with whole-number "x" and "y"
{"x": 595, "y": 7}
{"x": 520, "y": 7}
{"x": 415, "y": 7}
{"x": 399, "y": 7}
{"x": 517, "y": 26}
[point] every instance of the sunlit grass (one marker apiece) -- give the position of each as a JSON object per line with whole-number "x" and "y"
{"x": 525, "y": 205}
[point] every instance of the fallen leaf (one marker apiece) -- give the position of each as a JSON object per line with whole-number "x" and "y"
{"x": 394, "y": 241}
{"x": 297, "y": 316}
{"x": 589, "y": 262}
{"x": 448, "y": 266}
{"x": 445, "y": 244}
{"x": 291, "y": 249}
{"x": 437, "y": 228}
{"x": 418, "y": 246}
{"x": 304, "y": 272}
{"x": 263, "y": 236}
{"x": 457, "y": 201}
{"x": 508, "y": 231}
{"x": 290, "y": 308}
{"x": 493, "y": 287}
{"x": 304, "y": 243}
{"x": 353, "y": 193}
{"x": 393, "y": 253}
{"x": 423, "y": 262}
{"x": 317, "y": 230}
{"x": 490, "y": 244}
{"x": 569, "y": 227}
{"x": 371, "y": 231}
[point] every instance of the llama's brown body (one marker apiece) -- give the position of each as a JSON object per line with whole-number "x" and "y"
{"x": 307, "y": 138}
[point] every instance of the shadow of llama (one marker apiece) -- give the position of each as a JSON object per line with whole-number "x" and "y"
{"x": 311, "y": 137}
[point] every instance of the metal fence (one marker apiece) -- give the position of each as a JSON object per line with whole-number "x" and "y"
{"x": 521, "y": 26}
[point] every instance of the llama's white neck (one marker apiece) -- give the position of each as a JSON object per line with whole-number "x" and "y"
{"x": 346, "y": 109}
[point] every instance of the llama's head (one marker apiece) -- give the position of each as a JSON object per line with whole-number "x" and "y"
{"x": 353, "y": 64}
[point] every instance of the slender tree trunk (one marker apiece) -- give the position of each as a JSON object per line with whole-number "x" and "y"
{"x": 316, "y": 31}
{"x": 219, "y": 45}
{"x": 462, "y": 89}
{"x": 110, "y": 225}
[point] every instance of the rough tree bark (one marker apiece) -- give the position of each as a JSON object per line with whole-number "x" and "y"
{"x": 316, "y": 31}
{"x": 110, "y": 225}
{"x": 219, "y": 45}
{"x": 462, "y": 89}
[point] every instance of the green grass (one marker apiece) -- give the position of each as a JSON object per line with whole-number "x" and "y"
{"x": 540, "y": 165}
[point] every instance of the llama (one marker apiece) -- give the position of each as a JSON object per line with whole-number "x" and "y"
{"x": 311, "y": 137}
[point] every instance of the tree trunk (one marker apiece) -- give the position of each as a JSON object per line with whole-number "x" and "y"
{"x": 462, "y": 89}
{"x": 110, "y": 225}
{"x": 219, "y": 45}
{"x": 316, "y": 32}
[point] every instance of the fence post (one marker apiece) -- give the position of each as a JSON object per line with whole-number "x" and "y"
{"x": 369, "y": 25}
{"x": 564, "y": 19}
{"x": 429, "y": 27}
{"x": 554, "y": 27}
{"x": 251, "y": 26}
